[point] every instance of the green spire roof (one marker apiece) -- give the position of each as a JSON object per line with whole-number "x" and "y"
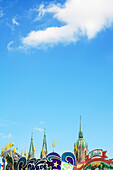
{"x": 80, "y": 141}
{"x": 44, "y": 142}
{"x": 80, "y": 132}
{"x": 44, "y": 146}
{"x": 31, "y": 154}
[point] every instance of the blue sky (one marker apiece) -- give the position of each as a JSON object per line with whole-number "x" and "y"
{"x": 56, "y": 63}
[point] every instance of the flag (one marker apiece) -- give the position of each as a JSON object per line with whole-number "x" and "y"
{"x": 14, "y": 151}
{"x": 43, "y": 151}
{"x": 3, "y": 149}
{"x": 6, "y": 147}
{"x": 53, "y": 143}
{"x": 13, "y": 143}
{"x": 17, "y": 147}
{"x": 11, "y": 153}
{"x": 76, "y": 147}
{"x": 10, "y": 145}
{"x": 34, "y": 149}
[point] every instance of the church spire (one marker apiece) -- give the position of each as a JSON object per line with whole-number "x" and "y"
{"x": 44, "y": 146}
{"x": 80, "y": 132}
{"x": 31, "y": 152}
{"x": 44, "y": 142}
{"x": 80, "y": 147}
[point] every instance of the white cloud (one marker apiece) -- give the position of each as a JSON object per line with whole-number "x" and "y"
{"x": 49, "y": 36}
{"x": 38, "y": 129}
{"x": 15, "y": 22}
{"x": 80, "y": 18}
{"x": 8, "y": 136}
{"x": 41, "y": 11}
{"x": 5, "y": 136}
{"x": 9, "y": 45}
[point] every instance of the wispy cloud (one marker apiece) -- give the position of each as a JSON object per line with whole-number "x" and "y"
{"x": 15, "y": 22}
{"x": 5, "y": 136}
{"x": 9, "y": 45}
{"x": 79, "y": 19}
{"x": 12, "y": 23}
{"x": 38, "y": 129}
{"x": 41, "y": 11}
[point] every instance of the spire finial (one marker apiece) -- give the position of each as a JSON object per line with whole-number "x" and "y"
{"x": 80, "y": 132}
{"x": 44, "y": 131}
{"x": 80, "y": 123}
{"x": 32, "y": 136}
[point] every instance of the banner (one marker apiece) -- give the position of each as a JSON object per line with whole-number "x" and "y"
{"x": 96, "y": 153}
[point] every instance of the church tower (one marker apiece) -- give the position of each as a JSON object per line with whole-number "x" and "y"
{"x": 31, "y": 149}
{"x": 80, "y": 147}
{"x": 44, "y": 147}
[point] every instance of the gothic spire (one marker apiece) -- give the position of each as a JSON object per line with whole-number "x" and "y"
{"x": 44, "y": 146}
{"x": 31, "y": 153}
{"x": 44, "y": 142}
{"x": 80, "y": 132}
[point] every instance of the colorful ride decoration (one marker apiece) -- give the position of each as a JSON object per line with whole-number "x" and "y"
{"x": 68, "y": 161}
{"x": 52, "y": 161}
{"x": 96, "y": 160}
{"x": 9, "y": 156}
